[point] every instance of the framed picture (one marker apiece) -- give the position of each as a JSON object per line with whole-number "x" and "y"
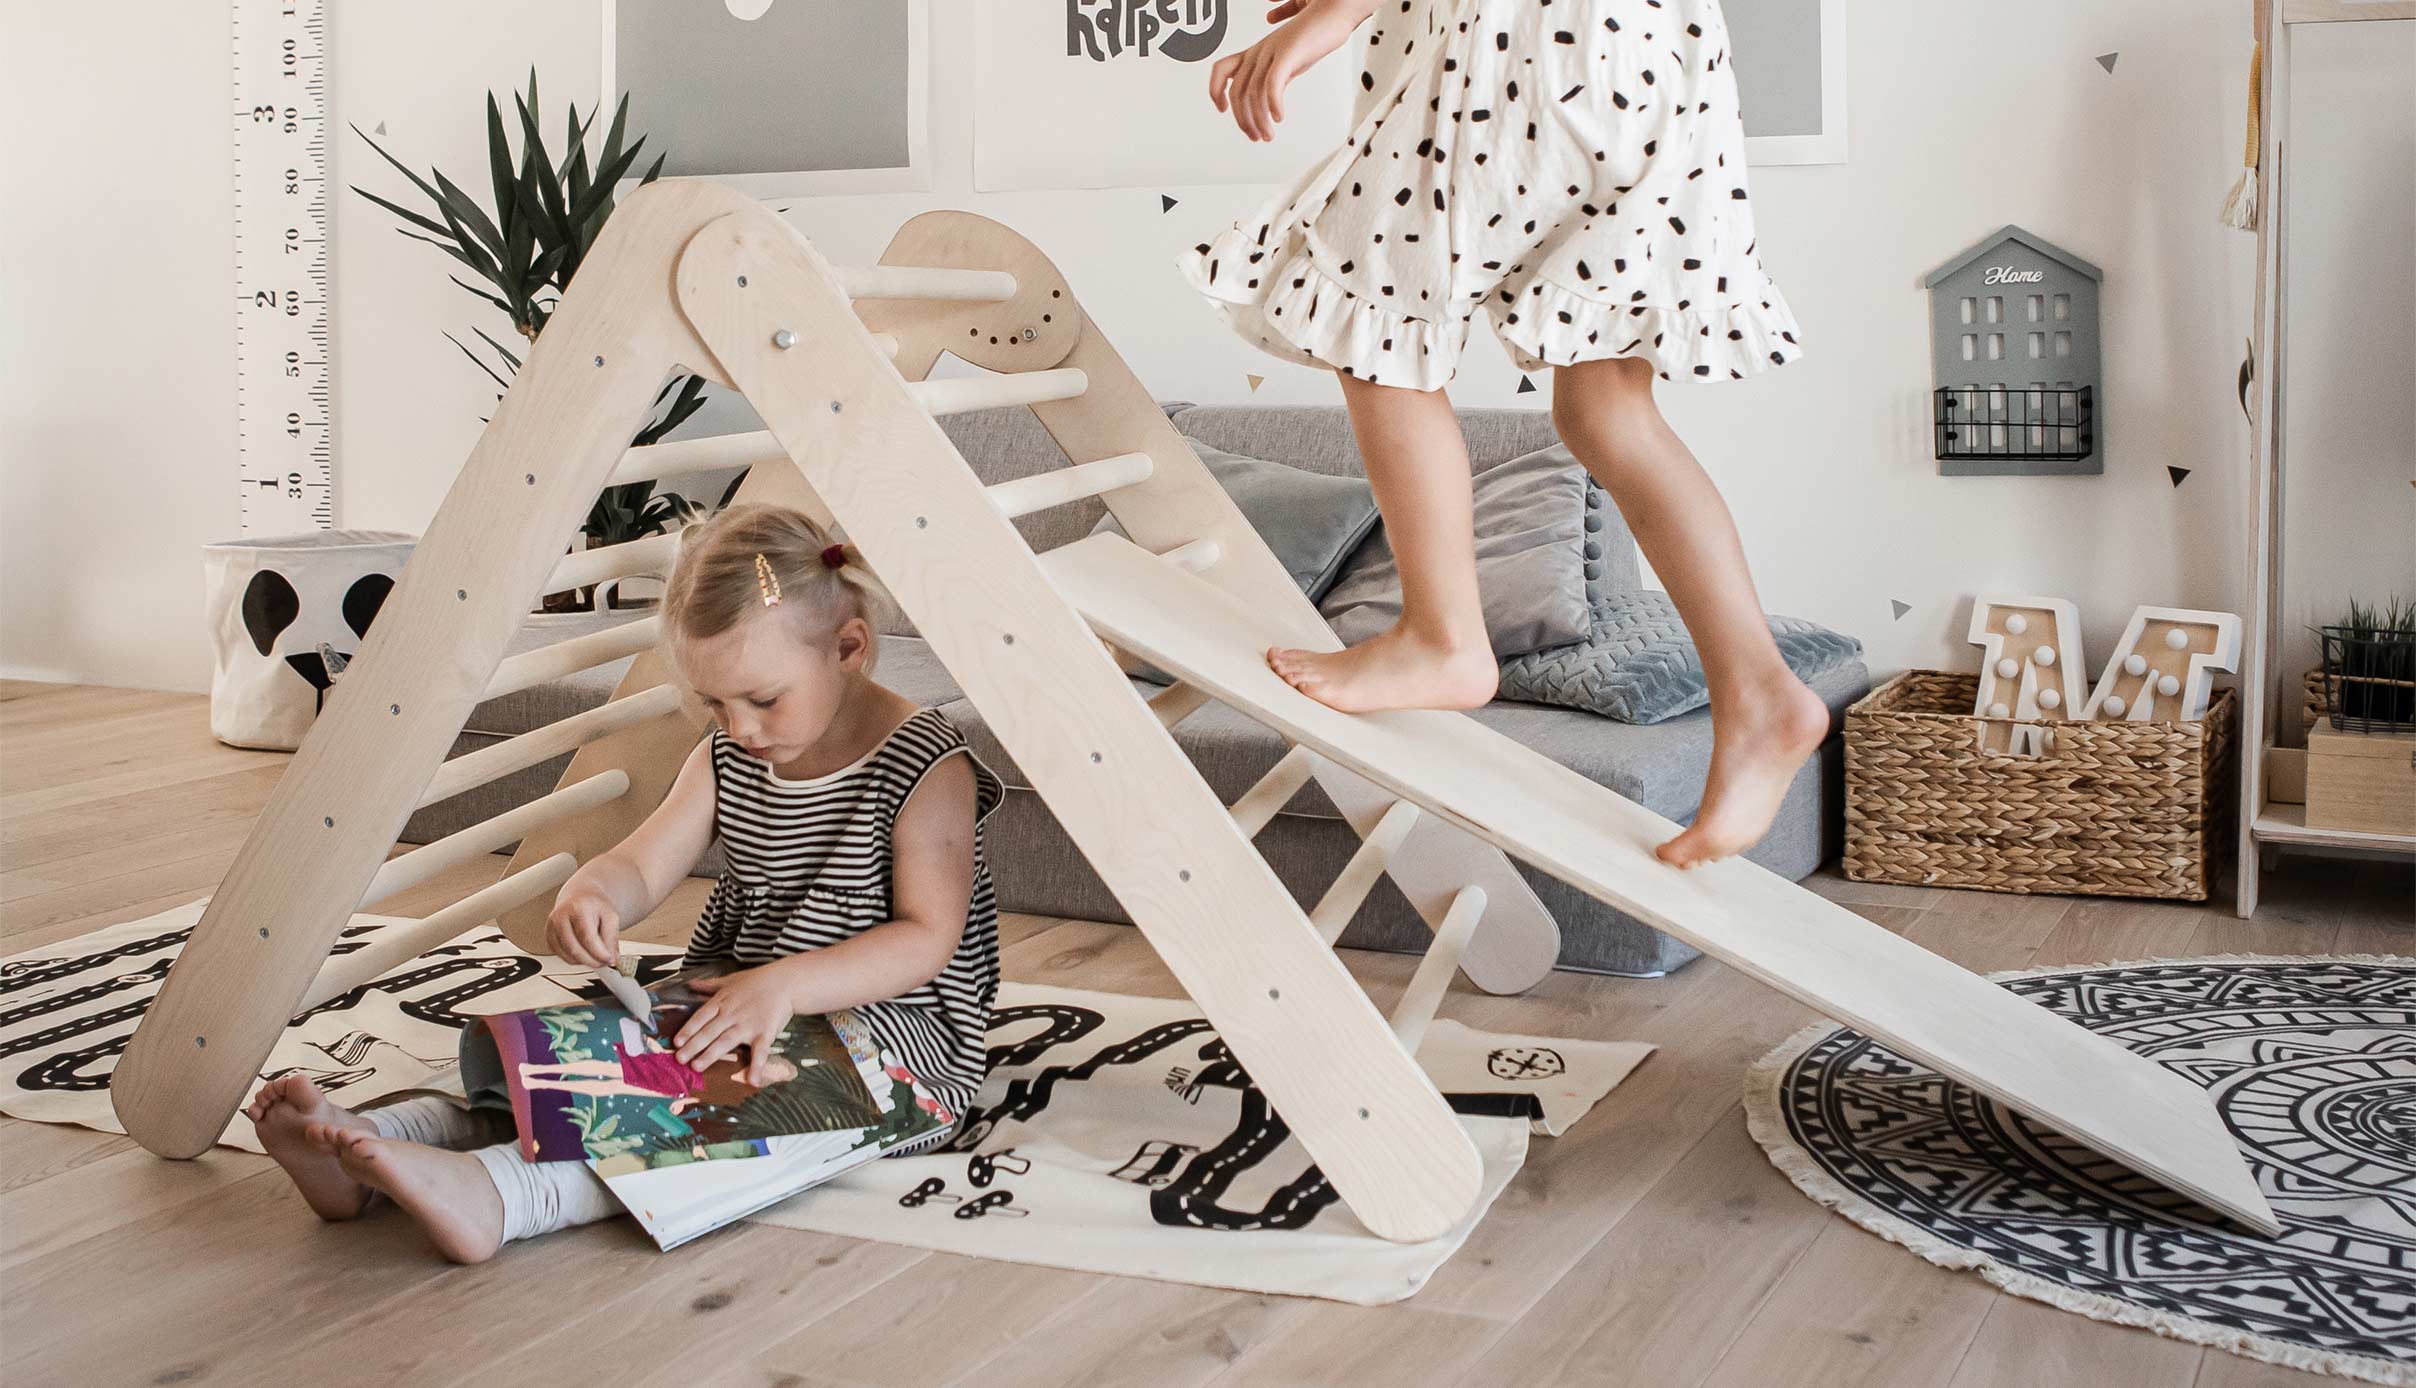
{"x": 1791, "y": 75}
{"x": 778, "y": 98}
{"x": 1113, "y": 94}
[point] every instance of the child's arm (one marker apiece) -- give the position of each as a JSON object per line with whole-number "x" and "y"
{"x": 625, "y": 884}
{"x": 1251, "y": 83}
{"x": 931, "y": 888}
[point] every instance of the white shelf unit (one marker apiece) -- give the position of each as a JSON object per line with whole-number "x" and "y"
{"x": 2263, "y": 823}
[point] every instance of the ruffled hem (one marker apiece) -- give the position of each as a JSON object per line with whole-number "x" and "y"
{"x": 1281, "y": 300}
{"x": 1556, "y": 326}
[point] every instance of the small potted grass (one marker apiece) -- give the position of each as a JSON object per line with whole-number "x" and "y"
{"x": 2368, "y": 674}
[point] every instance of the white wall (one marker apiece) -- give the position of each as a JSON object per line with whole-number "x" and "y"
{"x": 1965, "y": 115}
{"x": 2350, "y": 424}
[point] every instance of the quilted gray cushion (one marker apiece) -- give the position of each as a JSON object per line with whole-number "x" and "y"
{"x": 1638, "y": 665}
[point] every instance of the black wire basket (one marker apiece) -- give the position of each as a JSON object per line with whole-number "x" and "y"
{"x": 2046, "y": 423}
{"x": 2369, "y": 679}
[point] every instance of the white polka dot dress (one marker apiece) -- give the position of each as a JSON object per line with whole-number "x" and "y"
{"x": 1573, "y": 168}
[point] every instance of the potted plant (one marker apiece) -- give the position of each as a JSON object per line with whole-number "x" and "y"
{"x": 2369, "y": 668}
{"x": 524, "y": 251}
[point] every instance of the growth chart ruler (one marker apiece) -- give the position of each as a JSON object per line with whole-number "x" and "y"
{"x": 284, "y": 397}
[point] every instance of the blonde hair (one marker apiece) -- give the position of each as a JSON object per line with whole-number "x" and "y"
{"x": 756, "y": 560}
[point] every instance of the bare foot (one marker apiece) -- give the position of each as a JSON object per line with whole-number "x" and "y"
{"x": 1393, "y": 670}
{"x": 281, "y": 1113}
{"x": 449, "y": 1193}
{"x": 1756, "y": 750}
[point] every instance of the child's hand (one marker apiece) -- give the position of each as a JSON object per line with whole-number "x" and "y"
{"x": 1251, "y": 83}
{"x": 585, "y": 928}
{"x": 747, "y": 1008}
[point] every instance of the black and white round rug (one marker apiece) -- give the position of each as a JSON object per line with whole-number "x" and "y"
{"x": 2312, "y": 1063}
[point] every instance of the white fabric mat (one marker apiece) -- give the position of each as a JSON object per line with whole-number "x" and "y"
{"x": 1113, "y": 1134}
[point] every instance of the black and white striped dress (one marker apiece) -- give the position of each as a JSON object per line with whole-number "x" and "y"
{"x": 809, "y": 864}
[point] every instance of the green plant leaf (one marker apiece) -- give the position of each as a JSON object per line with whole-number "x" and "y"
{"x": 500, "y": 349}
{"x": 599, "y": 197}
{"x": 454, "y": 250}
{"x": 403, "y": 212}
{"x": 549, "y": 190}
{"x": 499, "y": 166}
{"x": 612, "y": 134}
{"x": 473, "y": 356}
{"x": 471, "y": 215}
{"x": 471, "y": 253}
{"x": 415, "y": 178}
{"x": 655, "y": 172}
{"x": 507, "y": 308}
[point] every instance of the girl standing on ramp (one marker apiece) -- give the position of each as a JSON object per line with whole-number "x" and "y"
{"x": 1576, "y": 170}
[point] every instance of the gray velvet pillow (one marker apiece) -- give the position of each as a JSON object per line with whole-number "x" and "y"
{"x": 1530, "y": 560}
{"x": 1311, "y": 521}
{"x": 1638, "y": 665}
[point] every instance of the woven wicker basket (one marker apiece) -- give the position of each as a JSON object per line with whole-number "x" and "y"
{"x": 2111, "y": 809}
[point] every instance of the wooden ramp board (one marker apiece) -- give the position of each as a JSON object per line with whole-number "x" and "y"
{"x": 1825, "y": 956}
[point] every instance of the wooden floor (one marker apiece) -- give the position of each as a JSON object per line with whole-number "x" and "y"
{"x": 1652, "y": 1245}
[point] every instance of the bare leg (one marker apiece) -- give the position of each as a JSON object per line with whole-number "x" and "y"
{"x": 448, "y": 1193}
{"x": 1437, "y": 655}
{"x": 282, "y": 1113}
{"x": 1765, "y": 721}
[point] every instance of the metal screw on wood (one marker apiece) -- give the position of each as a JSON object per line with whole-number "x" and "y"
{"x": 784, "y": 339}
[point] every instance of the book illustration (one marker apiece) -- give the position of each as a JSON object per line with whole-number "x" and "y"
{"x": 687, "y": 1151}
{"x": 588, "y": 1083}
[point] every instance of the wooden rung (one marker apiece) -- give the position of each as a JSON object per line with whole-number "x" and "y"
{"x": 529, "y": 748}
{"x": 924, "y": 282}
{"x": 652, "y": 555}
{"x": 1341, "y": 901}
{"x": 1024, "y": 495}
{"x": 1197, "y": 555}
{"x": 1177, "y": 702}
{"x": 960, "y": 394}
{"x": 401, "y": 943}
{"x": 531, "y": 668}
{"x": 1433, "y": 978}
{"x": 1274, "y": 791}
{"x": 656, "y": 461}
{"x": 490, "y": 835}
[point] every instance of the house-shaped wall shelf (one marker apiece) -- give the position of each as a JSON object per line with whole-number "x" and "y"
{"x": 2013, "y": 333}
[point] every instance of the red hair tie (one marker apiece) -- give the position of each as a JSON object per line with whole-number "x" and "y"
{"x": 834, "y": 557}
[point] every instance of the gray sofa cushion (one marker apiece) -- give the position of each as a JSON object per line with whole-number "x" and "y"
{"x": 1312, "y": 521}
{"x": 1530, "y": 567}
{"x": 1638, "y": 664}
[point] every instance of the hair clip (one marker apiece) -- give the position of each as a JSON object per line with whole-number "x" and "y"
{"x": 834, "y": 557}
{"x": 767, "y": 581}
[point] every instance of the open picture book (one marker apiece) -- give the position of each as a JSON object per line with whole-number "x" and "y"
{"x": 687, "y": 1151}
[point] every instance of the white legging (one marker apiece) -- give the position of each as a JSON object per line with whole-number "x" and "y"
{"x": 538, "y": 1196}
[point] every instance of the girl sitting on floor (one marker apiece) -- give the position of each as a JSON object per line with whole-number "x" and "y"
{"x": 845, "y": 888}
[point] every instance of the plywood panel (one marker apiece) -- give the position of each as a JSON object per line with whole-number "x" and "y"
{"x": 1822, "y": 954}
